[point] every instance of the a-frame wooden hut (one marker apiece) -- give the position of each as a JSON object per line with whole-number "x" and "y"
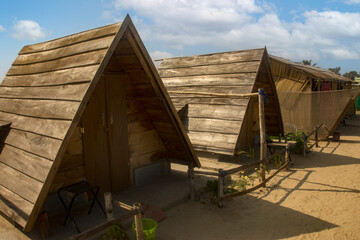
{"x": 222, "y": 125}
{"x": 89, "y": 106}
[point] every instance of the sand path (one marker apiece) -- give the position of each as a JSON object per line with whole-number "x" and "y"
{"x": 319, "y": 198}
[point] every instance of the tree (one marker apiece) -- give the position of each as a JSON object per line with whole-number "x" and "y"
{"x": 308, "y": 62}
{"x": 335, "y": 70}
{"x": 352, "y": 75}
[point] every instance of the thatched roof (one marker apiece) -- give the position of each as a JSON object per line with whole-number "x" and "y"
{"x": 314, "y": 72}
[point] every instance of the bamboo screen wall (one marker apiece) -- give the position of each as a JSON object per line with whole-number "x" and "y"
{"x": 305, "y": 110}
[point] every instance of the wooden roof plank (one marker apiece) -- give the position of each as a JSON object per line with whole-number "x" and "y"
{"x": 213, "y": 125}
{"x": 66, "y": 51}
{"x": 48, "y": 127}
{"x": 66, "y": 76}
{"x": 74, "y": 92}
{"x": 24, "y": 162}
{"x": 216, "y": 58}
{"x": 211, "y": 80}
{"x": 84, "y": 59}
{"x": 33, "y": 143}
{"x": 72, "y": 39}
{"x": 17, "y": 208}
{"x": 52, "y": 109}
{"x": 213, "y": 140}
{"x": 235, "y": 113}
{"x": 19, "y": 183}
{"x": 241, "y": 67}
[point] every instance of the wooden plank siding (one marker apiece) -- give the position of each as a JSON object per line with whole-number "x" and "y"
{"x": 214, "y": 124}
{"x": 45, "y": 95}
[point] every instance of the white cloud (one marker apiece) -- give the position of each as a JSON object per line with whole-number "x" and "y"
{"x": 341, "y": 53}
{"x": 160, "y": 55}
{"x": 353, "y": 2}
{"x": 176, "y": 25}
{"x": 28, "y": 30}
{"x": 2, "y": 29}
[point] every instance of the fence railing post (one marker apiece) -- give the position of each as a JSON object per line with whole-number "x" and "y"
{"x": 138, "y": 222}
{"x": 220, "y": 187}
{"x": 287, "y": 156}
{"x": 316, "y": 137}
{"x": 108, "y": 206}
{"x": 191, "y": 181}
{"x": 262, "y": 135}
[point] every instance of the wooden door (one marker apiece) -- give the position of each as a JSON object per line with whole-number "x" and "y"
{"x": 95, "y": 141}
{"x": 117, "y": 131}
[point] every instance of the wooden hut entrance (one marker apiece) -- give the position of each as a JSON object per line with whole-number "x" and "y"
{"x": 105, "y": 135}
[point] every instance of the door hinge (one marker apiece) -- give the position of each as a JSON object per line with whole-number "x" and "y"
{"x": 82, "y": 130}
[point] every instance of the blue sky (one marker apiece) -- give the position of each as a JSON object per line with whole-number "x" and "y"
{"x": 326, "y": 31}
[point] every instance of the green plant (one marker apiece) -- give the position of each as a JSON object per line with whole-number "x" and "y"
{"x": 278, "y": 161}
{"x": 250, "y": 153}
{"x": 298, "y": 136}
{"x": 116, "y": 232}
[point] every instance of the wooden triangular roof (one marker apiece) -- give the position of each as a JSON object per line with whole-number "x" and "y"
{"x": 215, "y": 123}
{"x": 44, "y": 95}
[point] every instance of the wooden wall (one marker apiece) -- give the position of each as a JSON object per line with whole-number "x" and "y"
{"x": 214, "y": 123}
{"x": 145, "y": 145}
{"x": 72, "y": 167}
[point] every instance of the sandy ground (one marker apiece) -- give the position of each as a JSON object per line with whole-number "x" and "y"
{"x": 319, "y": 198}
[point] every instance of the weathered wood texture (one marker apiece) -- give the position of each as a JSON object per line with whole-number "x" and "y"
{"x": 218, "y": 124}
{"x": 45, "y": 95}
{"x": 40, "y": 96}
{"x": 72, "y": 167}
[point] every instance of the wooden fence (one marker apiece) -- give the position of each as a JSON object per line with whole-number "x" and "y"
{"x": 135, "y": 211}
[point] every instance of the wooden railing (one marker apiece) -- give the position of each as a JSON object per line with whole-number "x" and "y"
{"x": 135, "y": 211}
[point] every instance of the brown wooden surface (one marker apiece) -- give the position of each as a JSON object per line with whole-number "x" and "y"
{"x": 25, "y": 162}
{"x": 66, "y": 72}
{"x": 54, "y": 78}
{"x": 14, "y": 206}
{"x": 33, "y": 143}
{"x": 95, "y": 140}
{"x": 65, "y": 51}
{"x": 46, "y": 187}
{"x": 85, "y": 59}
{"x": 40, "y": 108}
{"x": 48, "y": 127}
{"x": 232, "y": 113}
{"x": 231, "y": 79}
{"x": 19, "y": 183}
{"x": 217, "y": 58}
{"x": 158, "y": 86}
{"x": 118, "y": 132}
{"x": 241, "y": 67}
{"x": 72, "y": 39}
{"x": 73, "y": 92}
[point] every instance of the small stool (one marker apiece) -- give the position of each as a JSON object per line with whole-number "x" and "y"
{"x": 77, "y": 189}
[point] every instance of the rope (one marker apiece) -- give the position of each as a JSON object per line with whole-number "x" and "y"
{"x": 263, "y": 94}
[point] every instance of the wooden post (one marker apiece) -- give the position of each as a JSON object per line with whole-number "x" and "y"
{"x": 44, "y": 225}
{"x": 108, "y": 206}
{"x": 316, "y": 137}
{"x": 220, "y": 187}
{"x": 138, "y": 222}
{"x": 191, "y": 181}
{"x": 305, "y": 143}
{"x": 287, "y": 156}
{"x": 262, "y": 136}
